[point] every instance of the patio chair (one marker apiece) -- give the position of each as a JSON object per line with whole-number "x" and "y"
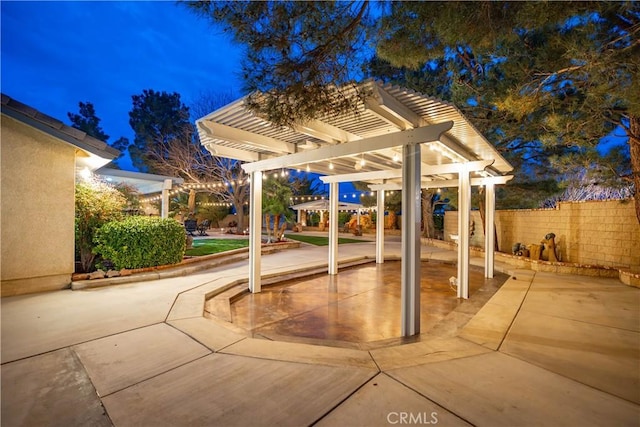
{"x": 190, "y": 226}
{"x": 203, "y": 227}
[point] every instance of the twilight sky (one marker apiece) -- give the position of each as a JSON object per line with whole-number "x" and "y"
{"x": 55, "y": 54}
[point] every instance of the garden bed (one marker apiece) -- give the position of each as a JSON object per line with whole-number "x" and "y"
{"x": 187, "y": 266}
{"x": 625, "y": 276}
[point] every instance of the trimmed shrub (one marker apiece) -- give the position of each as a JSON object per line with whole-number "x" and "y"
{"x": 140, "y": 241}
{"x": 97, "y": 203}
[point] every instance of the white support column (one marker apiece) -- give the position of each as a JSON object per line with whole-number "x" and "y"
{"x": 464, "y": 206}
{"x": 489, "y": 232}
{"x": 255, "y": 232}
{"x": 299, "y": 217}
{"x": 410, "y": 295}
{"x": 333, "y": 228}
{"x": 380, "y": 228}
{"x": 164, "y": 210}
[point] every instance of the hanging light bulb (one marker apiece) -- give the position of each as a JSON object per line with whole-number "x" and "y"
{"x": 362, "y": 161}
{"x": 396, "y": 157}
{"x": 330, "y": 165}
{"x": 308, "y": 168}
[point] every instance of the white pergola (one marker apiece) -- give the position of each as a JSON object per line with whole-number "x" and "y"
{"x": 323, "y": 205}
{"x": 399, "y": 139}
{"x": 145, "y": 183}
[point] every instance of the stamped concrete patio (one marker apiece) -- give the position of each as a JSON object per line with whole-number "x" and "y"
{"x": 545, "y": 349}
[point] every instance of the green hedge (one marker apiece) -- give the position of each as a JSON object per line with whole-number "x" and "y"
{"x": 139, "y": 241}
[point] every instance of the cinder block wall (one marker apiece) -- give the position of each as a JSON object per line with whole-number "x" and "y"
{"x": 598, "y": 232}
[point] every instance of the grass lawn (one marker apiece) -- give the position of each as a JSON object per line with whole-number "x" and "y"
{"x": 213, "y": 246}
{"x": 320, "y": 240}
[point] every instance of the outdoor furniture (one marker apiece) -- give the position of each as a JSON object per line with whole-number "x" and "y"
{"x": 190, "y": 226}
{"x": 203, "y": 227}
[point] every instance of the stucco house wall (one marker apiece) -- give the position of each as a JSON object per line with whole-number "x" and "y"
{"x": 39, "y": 158}
{"x": 38, "y": 174}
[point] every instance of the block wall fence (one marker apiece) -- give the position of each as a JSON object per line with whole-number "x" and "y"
{"x": 605, "y": 233}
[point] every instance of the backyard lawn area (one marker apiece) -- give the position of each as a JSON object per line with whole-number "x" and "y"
{"x": 213, "y": 246}
{"x": 320, "y": 240}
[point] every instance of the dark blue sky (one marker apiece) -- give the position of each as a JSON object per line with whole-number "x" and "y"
{"x": 56, "y": 54}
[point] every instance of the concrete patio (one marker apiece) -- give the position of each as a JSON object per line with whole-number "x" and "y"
{"x": 546, "y": 349}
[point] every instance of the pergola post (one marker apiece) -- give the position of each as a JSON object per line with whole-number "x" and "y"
{"x": 410, "y": 294}
{"x": 489, "y": 232}
{"x": 464, "y": 206}
{"x": 333, "y": 228}
{"x": 380, "y": 228}
{"x": 166, "y": 186}
{"x": 255, "y": 232}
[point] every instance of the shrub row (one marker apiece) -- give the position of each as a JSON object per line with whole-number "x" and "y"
{"x": 139, "y": 241}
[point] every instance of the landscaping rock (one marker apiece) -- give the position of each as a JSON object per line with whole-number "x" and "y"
{"x": 125, "y": 272}
{"x": 98, "y": 274}
{"x": 113, "y": 273}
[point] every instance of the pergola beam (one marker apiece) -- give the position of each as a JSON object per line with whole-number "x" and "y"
{"x": 390, "y": 110}
{"x": 495, "y": 180}
{"x": 397, "y": 173}
{"x": 419, "y": 135}
{"x": 325, "y": 132}
{"x": 240, "y": 136}
{"x": 231, "y": 153}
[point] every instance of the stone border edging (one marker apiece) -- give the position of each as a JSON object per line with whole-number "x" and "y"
{"x": 186, "y": 267}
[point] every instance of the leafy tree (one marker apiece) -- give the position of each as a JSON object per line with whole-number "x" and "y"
{"x": 304, "y": 184}
{"x": 276, "y": 196}
{"x": 220, "y": 169}
{"x": 429, "y": 198}
{"x": 214, "y": 213}
{"x": 96, "y": 204}
{"x": 166, "y": 143}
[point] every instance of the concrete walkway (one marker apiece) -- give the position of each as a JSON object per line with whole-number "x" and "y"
{"x": 546, "y": 349}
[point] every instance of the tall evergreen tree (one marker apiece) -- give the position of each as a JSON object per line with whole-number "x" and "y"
{"x": 547, "y": 79}
{"x": 158, "y": 120}
{"x": 87, "y": 121}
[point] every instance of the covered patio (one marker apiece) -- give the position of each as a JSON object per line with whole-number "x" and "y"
{"x": 323, "y": 205}
{"x": 145, "y": 183}
{"x": 399, "y": 139}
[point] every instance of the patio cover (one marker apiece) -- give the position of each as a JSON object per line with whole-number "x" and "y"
{"x": 145, "y": 183}
{"x": 398, "y": 139}
{"x": 323, "y": 205}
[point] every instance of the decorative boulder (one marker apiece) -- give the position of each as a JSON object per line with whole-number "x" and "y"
{"x": 113, "y": 273}
{"x": 98, "y": 274}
